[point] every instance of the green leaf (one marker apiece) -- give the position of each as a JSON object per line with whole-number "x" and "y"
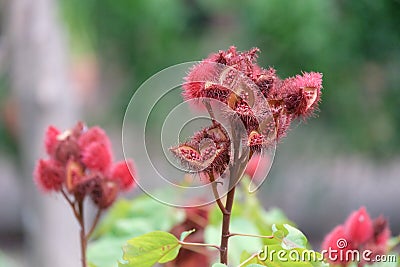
{"x": 279, "y": 234}
{"x": 288, "y": 248}
{"x": 393, "y": 242}
{"x": 135, "y": 217}
{"x": 148, "y": 249}
{"x": 127, "y": 219}
{"x": 106, "y": 251}
{"x": 248, "y": 206}
{"x": 218, "y": 265}
{"x": 292, "y": 237}
{"x": 255, "y": 265}
{"x": 186, "y": 234}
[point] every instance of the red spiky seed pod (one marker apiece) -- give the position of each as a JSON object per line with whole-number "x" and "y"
{"x": 221, "y": 160}
{"x": 302, "y": 93}
{"x": 331, "y": 243}
{"x": 189, "y": 156}
{"x": 195, "y": 81}
{"x": 282, "y": 124}
{"x": 67, "y": 148}
{"x": 104, "y": 193}
{"x": 241, "y": 108}
{"x": 49, "y": 175}
{"x": 74, "y": 175}
{"x": 97, "y": 156}
{"x": 256, "y": 141}
{"x": 359, "y": 226}
{"x": 215, "y": 91}
{"x": 206, "y": 152}
{"x": 266, "y": 81}
{"x": 79, "y": 160}
{"x": 51, "y": 140}
{"x": 381, "y": 232}
{"x": 123, "y": 173}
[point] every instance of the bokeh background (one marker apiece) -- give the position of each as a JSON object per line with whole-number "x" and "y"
{"x": 68, "y": 60}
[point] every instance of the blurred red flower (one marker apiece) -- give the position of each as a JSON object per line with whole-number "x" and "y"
{"x": 258, "y": 166}
{"x": 360, "y": 233}
{"x": 80, "y": 164}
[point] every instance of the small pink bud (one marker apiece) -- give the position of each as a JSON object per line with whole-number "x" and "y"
{"x": 49, "y": 175}
{"x": 358, "y": 226}
{"x": 104, "y": 193}
{"x": 97, "y": 156}
{"x": 309, "y": 85}
{"x": 336, "y": 240}
{"x": 124, "y": 174}
{"x": 381, "y": 231}
{"x": 93, "y": 135}
{"x": 50, "y": 140}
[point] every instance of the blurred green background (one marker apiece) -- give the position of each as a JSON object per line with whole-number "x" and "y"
{"x": 356, "y": 44}
{"x": 345, "y": 158}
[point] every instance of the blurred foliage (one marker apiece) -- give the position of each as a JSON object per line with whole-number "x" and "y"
{"x": 6, "y": 261}
{"x": 140, "y": 221}
{"x": 354, "y": 43}
{"x": 248, "y": 216}
{"x": 126, "y": 219}
{"x": 8, "y": 143}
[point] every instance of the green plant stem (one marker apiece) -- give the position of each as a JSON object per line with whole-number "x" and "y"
{"x": 189, "y": 244}
{"x": 251, "y": 235}
{"x": 249, "y": 259}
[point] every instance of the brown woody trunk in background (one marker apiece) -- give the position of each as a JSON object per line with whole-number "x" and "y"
{"x": 38, "y": 62}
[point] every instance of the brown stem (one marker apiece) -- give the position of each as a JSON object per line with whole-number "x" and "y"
{"x": 210, "y": 110}
{"x": 226, "y": 217}
{"x": 96, "y": 220}
{"x": 216, "y": 194}
{"x": 77, "y": 208}
{"x": 236, "y": 170}
{"x": 225, "y": 226}
{"x": 72, "y": 204}
{"x": 82, "y": 233}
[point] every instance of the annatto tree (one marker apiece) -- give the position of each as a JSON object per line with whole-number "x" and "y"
{"x": 250, "y": 110}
